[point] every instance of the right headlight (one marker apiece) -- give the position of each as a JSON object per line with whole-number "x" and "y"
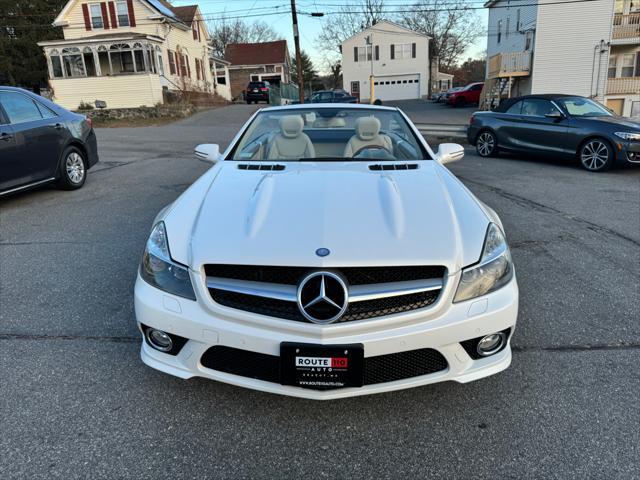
{"x": 159, "y": 270}
{"x": 494, "y": 270}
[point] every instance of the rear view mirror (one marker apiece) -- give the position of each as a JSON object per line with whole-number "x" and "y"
{"x": 449, "y": 152}
{"x": 209, "y": 152}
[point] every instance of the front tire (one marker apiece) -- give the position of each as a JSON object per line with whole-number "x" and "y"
{"x": 487, "y": 144}
{"x": 596, "y": 155}
{"x": 73, "y": 169}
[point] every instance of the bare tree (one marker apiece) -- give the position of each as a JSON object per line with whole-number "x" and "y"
{"x": 452, "y": 26}
{"x": 350, "y": 19}
{"x": 225, "y": 31}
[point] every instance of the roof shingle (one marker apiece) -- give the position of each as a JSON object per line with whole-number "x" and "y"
{"x": 256, "y": 53}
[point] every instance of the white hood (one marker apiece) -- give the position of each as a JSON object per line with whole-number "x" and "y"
{"x": 365, "y": 218}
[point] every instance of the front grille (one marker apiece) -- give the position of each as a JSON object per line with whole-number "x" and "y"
{"x": 354, "y": 275}
{"x": 288, "y": 309}
{"x": 356, "y": 311}
{"x": 380, "y": 369}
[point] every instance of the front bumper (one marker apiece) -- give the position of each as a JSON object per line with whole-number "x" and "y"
{"x": 628, "y": 152}
{"x": 441, "y": 327}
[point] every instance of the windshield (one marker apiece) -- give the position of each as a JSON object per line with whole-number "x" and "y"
{"x": 329, "y": 134}
{"x": 583, "y": 107}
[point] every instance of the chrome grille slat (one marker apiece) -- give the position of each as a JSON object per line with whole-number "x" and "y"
{"x": 357, "y": 293}
{"x": 372, "y": 292}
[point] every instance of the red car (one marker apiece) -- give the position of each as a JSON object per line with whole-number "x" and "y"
{"x": 468, "y": 95}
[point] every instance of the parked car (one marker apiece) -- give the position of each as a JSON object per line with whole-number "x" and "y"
{"x": 445, "y": 96}
{"x": 468, "y": 95}
{"x": 41, "y": 142}
{"x": 258, "y": 92}
{"x": 564, "y": 125}
{"x": 346, "y": 260}
{"x": 331, "y": 96}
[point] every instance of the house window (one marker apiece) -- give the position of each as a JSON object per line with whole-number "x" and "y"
{"x": 363, "y": 54}
{"x": 96, "y": 15}
{"x": 402, "y": 50}
{"x": 56, "y": 67}
{"x": 160, "y": 61}
{"x": 635, "y": 109}
{"x": 196, "y": 31}
{"x": 122, "y": 10}
{"x": 198, "y": 69}
{"x": 172, "y": 63}
{"x": 527, "y": 41}
{"x": 506, "y": 33}
{"x": 89, "y": 62}
{"x": 518, "y": 20}
{"x": 613, "y": 59}
{"x": 499, "y": 31}
{"x": 628, "y": 65}
{"x": 72, "y": 62}
{"x": 269, "y": 68}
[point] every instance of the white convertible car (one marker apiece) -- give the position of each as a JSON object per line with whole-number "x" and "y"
{"x": 327, "y": 253}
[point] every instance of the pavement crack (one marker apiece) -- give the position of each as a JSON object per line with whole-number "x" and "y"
{"x": 577, "y": 348}
{"x": 545, "y": 208}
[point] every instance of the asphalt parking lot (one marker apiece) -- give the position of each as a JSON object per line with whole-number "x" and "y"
{"x": 76, "y": 401}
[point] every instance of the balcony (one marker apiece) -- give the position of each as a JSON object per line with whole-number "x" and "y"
{"x": 626, "y": 26}
{"x": 620, "y": 85}
{"x": 510, "y": 64}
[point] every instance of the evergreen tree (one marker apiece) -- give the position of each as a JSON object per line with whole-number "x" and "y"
{"x": 24, "y": 23}
{"x": 309, "y": 74}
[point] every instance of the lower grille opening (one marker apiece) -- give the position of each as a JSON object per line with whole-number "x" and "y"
{"x": 379, "y": 369}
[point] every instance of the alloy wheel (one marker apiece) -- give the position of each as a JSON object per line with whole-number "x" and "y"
{"x": 595, "y": 155}
{"x": 485, "y": 144}
{"x": 74, "y": 166}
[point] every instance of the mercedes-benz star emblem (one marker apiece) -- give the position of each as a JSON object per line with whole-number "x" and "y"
{"x": 322, "y": 297}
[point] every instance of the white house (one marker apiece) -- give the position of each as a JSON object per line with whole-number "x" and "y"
{"x": 582, "y": 48}
{"x": 396, "y": 57}
{"x": 127, "y": 53}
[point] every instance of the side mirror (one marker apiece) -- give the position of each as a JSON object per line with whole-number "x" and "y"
{"x": 209, "y": 152}
{"x": 555, "y": 115}
{"x": 449, "y": 152}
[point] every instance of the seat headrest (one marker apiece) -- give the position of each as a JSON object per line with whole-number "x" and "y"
{"x": 367, "y": 128}
{"x": 291, "y": 126}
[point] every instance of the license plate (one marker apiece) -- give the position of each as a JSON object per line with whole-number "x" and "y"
{"x": 255, "y": 90}
{"x": 321, "y": 367}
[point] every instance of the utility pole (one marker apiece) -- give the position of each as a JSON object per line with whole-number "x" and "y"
{"x": 296, "y": 41}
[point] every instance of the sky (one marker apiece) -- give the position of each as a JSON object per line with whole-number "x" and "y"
{"x": 309, "y": 27}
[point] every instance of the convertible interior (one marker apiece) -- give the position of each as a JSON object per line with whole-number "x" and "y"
{"x": 330, "y": 135}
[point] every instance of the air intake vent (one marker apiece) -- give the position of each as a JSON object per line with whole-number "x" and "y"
{"x": 257, "y": 166}
{"x": 394, "y": 166}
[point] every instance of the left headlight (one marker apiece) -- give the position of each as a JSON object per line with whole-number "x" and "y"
{"x": 159, "y": 270}
{"x": 628, "y": 135}
{"x": 494, "y": 270}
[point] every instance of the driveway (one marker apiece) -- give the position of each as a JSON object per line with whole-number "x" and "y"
{"x": 426, "y": 111}
{"x": 76, "y": 401}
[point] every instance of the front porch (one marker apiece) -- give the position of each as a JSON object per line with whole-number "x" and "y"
{"x": 124, "y": 71}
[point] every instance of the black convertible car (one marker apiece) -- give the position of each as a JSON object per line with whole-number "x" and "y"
{"x": 41, "y": 142}
{"x": 565, "y": 125}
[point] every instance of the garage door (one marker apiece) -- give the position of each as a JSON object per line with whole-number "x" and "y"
{"x": 397, "y": 87}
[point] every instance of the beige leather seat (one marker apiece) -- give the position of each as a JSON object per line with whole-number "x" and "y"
{"x": 291, "y": 143}
{"x": 367, "y": 135}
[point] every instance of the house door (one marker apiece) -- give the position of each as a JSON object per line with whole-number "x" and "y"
{"x": 355, "y": 89}
{"x": 616, "y": 105}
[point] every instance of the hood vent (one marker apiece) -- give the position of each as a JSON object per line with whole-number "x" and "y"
{"x": 255, "y": 166}
{"x": 394, "y": 166}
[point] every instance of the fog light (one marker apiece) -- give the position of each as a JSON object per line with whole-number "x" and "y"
{"x": 159, "y": 339}
{"x": 490, "y": 344}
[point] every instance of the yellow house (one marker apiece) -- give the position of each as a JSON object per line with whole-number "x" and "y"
{"x": 127, "y": 52}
